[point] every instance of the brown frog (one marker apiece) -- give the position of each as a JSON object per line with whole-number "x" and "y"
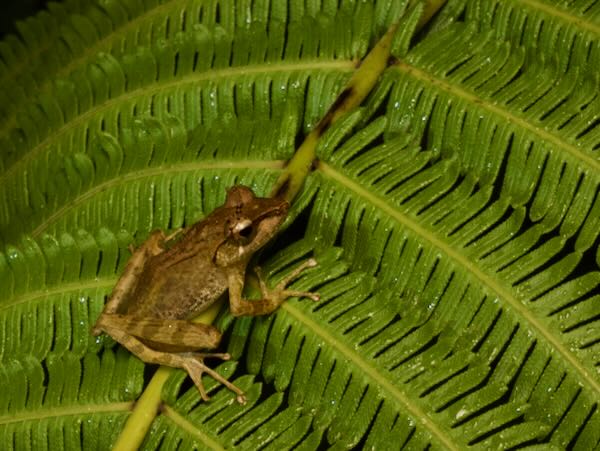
{"x": 163, "y": 287}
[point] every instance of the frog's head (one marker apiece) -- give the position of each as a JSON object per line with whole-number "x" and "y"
{"x": 251, "y": 222}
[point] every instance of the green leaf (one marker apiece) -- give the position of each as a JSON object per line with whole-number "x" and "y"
{"x": 455, "y": 217}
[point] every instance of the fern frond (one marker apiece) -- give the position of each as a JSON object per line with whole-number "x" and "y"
{"x": 491, "y": 245}
{"x": 178, "y": 41}
{"x": 153, "y": 166}
{"x": 454, "y": 218}
{"x": 537, "y": 145}
{"x": 564, "y": 32}
{"x": 51, "y": 282}
{"x": 67, "y": 402}
{"x": 221, "y": 74}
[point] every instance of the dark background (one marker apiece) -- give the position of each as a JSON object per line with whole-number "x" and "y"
{"x": 13, "y": 10}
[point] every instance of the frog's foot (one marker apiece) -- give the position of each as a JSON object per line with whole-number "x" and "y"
{"x": 280, "y": 292}
{"x": 191, "y": 362}
{"x": 194, "y": 365}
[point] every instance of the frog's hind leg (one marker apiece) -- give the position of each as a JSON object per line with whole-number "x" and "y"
{"x": 192, "y": 363}
{"x": 128, "y": 281}
{"x": 172, "y": 333}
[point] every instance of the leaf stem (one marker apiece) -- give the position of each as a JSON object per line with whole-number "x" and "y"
{"x": 358, "y": 87}
{"x": 148, "y": 406}
{"x": 355, "y": 91}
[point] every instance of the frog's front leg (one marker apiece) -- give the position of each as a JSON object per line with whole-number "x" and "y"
{"x": 272, "y": 298}
{"x": 126, "y": 330}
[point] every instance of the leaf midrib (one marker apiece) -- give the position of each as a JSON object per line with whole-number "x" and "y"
{"x": 100, "y": 282}
{"x": 498, "y": 110}
{"x": 486, "y": 280}
{"x": 152, "y": 172}
{"x": 44, "y": 413}
{"x": 218, "y": 75}
{"x": 441, "y": 434}
{"x": 190, "y": 428}
{"x": 562, "y": 15}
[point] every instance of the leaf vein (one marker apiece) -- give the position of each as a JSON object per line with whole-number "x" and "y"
{"x": 579, "y": 22}
{"x": 545, "y": 135}
{"x": 152, "y": 172}
{"x": 190, "y": 428}
{"x": 148, "y": 92}
{"x": 381, "y": 381}
{"x": 55, "y": 412}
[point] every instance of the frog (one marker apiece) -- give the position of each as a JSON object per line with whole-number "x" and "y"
{"x": 170, "y": 279}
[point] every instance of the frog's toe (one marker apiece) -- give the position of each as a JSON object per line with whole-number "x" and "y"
{"x": 211, "y": 355}
{"x": 302, "y": 294}
{"x": 195, "y": 367}
{"x": 297, "y": 272}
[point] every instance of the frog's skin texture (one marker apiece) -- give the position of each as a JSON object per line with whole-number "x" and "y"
{"x": 164, "y": 287}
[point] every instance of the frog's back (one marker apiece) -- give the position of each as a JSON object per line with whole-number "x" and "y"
{"x": 178, "y": 291}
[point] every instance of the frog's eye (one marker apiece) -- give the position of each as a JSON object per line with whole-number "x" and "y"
{"x": 243, "y": 231}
